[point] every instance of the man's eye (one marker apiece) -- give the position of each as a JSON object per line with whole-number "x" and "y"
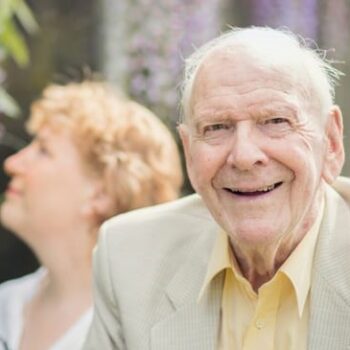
{"x": 275, "y": 126}
{"x": 277, "y": 120}
{"x": 216, "y": 127}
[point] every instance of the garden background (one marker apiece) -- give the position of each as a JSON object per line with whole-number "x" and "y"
{"x": 139, "y": 45}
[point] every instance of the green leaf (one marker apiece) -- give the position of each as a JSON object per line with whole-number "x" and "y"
{"x": 8, "y": 105}
{"x": 13, "y": 43}
{"x": 6, "y": 11}
{"x": 26, "y": 17}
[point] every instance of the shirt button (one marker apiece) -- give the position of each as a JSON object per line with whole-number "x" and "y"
{"x": 259, "y": 324}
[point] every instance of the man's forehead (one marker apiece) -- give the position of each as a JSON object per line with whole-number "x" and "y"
{"x": 239, "y": 70}
{"x": 248, "y": 59}
{"x": 226, "y": 57}
{"x": 229, "y": 78}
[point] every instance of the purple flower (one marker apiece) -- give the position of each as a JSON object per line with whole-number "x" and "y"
{"x": 160, "y": 34}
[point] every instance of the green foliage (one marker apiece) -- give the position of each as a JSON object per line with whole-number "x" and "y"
{"x": 7, "y": 104}
{"x": 12, "y": 43}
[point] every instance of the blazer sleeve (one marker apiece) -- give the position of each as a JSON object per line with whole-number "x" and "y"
{"x": 105, "y": 331}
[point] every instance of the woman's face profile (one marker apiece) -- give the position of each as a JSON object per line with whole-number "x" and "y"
{"x": 49, "y": 185}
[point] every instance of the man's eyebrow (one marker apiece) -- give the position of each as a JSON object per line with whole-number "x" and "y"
{"x": 212, "y": 116}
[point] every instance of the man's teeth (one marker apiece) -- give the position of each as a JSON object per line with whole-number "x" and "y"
{"x": 262, "y": 189}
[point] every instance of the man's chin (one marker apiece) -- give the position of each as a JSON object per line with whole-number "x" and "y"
{"x": 256, "y": 235}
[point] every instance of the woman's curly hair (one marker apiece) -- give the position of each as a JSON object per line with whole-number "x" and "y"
{"x": 120, "y": 141}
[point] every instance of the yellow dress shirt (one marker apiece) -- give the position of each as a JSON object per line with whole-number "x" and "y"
{"x": 275, "y": 318}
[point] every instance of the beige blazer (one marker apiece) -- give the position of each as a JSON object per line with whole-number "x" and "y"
{"x": 150, "y": 264}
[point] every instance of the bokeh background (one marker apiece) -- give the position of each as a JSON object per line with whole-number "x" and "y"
{"x": 140, "y": 45}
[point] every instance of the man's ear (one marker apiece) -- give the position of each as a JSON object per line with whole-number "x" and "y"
{"x": 185, "y": 137}
{"x": 184, "y": 133}
{"x": 334, "y": 154}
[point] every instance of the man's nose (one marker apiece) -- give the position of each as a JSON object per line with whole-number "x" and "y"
{"x": 245, "y": 150}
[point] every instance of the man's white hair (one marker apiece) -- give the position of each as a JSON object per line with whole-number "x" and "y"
{"x": 279, "y": 49}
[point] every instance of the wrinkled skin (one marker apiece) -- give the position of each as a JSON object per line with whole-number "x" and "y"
{"x": 258, "y": 154}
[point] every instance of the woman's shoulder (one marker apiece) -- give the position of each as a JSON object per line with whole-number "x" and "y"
{"x": 13, "y": 296}
{"x": 20, "y": 287}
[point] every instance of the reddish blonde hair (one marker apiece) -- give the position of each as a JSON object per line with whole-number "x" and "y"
{"x": 119, "y": 140}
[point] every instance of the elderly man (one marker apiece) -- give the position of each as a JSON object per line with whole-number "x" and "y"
{"x": 259, "y": 258}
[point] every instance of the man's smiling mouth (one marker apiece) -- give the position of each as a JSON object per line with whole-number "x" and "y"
{"x": 254, "y": 191}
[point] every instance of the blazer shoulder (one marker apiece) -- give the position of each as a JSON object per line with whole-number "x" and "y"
{"x": 191, "y": 205}
{"x": 158, "y": 236}
{"x": 187, "y": 215}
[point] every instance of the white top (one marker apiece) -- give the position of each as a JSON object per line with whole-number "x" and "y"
{"x": 14, "y": 295}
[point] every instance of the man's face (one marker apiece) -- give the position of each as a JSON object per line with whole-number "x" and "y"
{"x": 255, "y": 151}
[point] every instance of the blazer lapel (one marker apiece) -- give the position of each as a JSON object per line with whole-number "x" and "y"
{"x": 190, "y": 325}
{"x": 330, "y": 292}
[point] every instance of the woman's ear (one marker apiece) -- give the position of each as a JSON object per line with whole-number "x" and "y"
{"x": 99, "y": 205}
{"x": 334, "y": 153}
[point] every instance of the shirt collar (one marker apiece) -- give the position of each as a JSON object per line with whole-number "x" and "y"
{"x": 297, "y": 268}
{"x": 219, "y": 260}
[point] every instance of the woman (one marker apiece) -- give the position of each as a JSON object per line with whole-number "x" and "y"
{"x": 94, "y": 155}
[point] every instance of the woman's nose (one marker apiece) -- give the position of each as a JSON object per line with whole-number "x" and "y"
{"x": 15, "y": 163}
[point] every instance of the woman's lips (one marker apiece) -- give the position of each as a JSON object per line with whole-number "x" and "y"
{"x": 12, "y": 191}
